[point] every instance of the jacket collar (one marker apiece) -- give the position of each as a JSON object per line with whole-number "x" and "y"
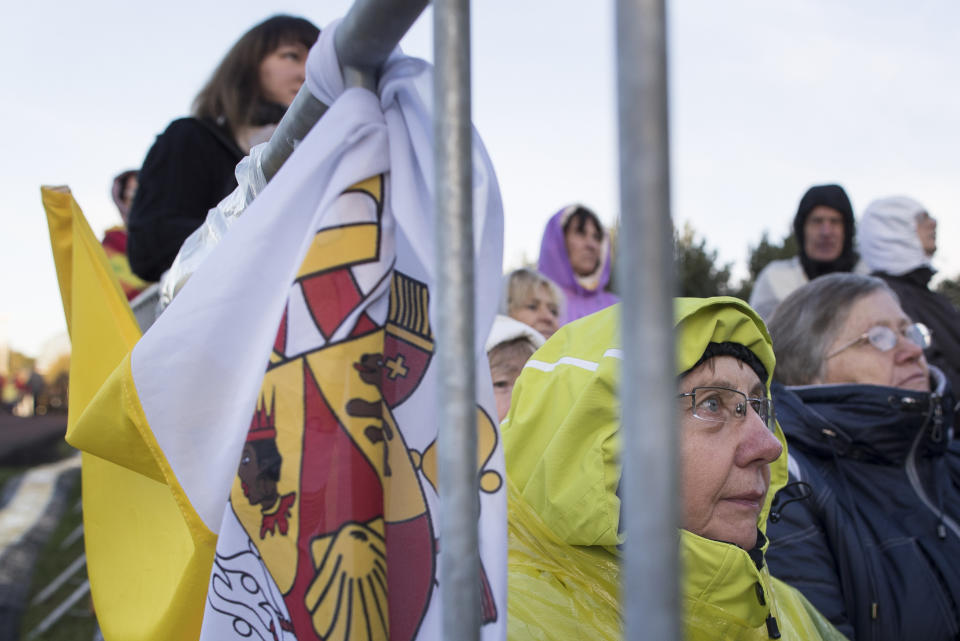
{"x": 866, "y": 422}
{"x": 723, "y": 580}
{"x": 919, "y": 277}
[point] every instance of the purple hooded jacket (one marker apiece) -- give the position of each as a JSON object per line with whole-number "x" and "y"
{"x": 555, "y": 264}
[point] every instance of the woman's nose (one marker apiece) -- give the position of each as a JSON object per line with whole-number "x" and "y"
{"x": 758, "y": 442}
{"x": 907, "y": 350}
{"x": 547, "y": 317}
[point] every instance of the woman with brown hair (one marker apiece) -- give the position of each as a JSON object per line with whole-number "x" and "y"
{"x": 190, "y": 167}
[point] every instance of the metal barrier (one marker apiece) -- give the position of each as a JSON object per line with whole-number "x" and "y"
{"x": 457, "y": 440}
{"x": 651, "y": 573}
{"x": 145, "y": 306}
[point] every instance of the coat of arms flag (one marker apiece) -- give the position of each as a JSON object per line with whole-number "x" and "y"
{"x": 287, "y": 396}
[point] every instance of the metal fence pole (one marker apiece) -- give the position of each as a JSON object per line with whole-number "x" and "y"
{"x": 651, "y": 570}
{"x": 459, "y": 556}
{"x": 300, "y": 118}
{"x": 371, "y": 30}
{"x": 365, "y": 38}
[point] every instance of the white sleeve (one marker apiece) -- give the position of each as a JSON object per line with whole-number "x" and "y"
{"x": 764, "y": 298}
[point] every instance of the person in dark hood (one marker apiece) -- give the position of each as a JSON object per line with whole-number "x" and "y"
{"x": 868, "y": 527}
{"x": 824, "y": 229}
{"x": 898, "y": 239}
{"x": 190, "y": 167}
{"x": 575, "y": 254}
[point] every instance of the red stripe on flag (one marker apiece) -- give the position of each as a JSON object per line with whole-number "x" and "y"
{"x": 330, "y": 298}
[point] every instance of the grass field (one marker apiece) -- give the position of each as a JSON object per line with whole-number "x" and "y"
{"x": 79, "y": 623}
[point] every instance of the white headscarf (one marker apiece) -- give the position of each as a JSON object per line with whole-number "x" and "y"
{"x": 506, "y": 329}
{"x": 887, "y": 236}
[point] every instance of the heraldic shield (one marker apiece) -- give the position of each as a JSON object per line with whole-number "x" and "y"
{"x": 330, "y": 497}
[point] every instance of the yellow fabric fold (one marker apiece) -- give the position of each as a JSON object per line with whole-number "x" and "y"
{"x": 148, "y": 554}
{"x": 576, "y": 589}
{"x": 61, "y": 207}
{"x": 127, "y": 442}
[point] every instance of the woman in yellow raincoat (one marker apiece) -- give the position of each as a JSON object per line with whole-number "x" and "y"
{"x": 562, "y": 445}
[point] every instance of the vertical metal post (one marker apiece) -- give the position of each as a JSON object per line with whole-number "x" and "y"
{"x": 459, "y": 501}
{"x": 651, "y": 571}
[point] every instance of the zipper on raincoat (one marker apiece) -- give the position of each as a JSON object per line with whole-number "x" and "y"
{"x": 910, "y": 467}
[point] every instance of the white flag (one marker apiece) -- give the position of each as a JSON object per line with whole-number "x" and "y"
{"x": 292, "y": 390}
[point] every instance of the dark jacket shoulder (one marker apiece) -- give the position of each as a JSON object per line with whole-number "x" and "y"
{"x": 872, "y": 542}
{"x": 188, "y": 170}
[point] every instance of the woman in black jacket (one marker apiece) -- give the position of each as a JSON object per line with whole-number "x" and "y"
{"x": 874, "y": 545}
{"x": 190, "y": 167}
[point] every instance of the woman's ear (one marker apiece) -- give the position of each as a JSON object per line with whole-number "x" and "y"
{"x": 821, "y": 377}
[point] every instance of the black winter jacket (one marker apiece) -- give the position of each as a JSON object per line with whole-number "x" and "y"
{"x": 189, "y": 169}
{"x": 876, "y": 546}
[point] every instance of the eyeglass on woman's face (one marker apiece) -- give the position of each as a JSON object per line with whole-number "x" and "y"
{"x": 885, "y": 338}
{"x": 722, "y": 404}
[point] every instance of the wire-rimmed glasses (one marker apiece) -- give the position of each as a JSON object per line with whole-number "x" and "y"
{"x": 885, "y": 338}
{"x": 722, "y": 404}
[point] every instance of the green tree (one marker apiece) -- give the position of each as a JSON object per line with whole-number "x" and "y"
{"x": 761, "y": 255}
{"x": 766, "y": 252}
{"x": 699, "y": 275}
{"x": 950, "y": 287}
{"x": 697, "y": 271}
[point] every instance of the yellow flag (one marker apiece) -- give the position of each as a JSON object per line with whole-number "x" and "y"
{"x": 148, "y": 555}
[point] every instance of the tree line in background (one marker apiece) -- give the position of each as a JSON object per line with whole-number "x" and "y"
{"x": 699, "y": 274}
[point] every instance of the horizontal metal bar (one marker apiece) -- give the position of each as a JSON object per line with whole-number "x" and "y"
{"x": 60, "y": 579}
{"x": 372, "y": 29}
{"x": 60, "y": 610}
{"x": 72, "y": 538}
{"x": 300, "y": 118}
{"x": 366, "y": 36}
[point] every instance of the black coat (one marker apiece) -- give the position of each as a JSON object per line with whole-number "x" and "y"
{"x": 189, "y": 169}
{"x": 934, "y": 311}
{"x": 876, "y": 547}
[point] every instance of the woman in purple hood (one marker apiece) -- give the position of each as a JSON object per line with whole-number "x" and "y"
{"x": 575, "y": 254}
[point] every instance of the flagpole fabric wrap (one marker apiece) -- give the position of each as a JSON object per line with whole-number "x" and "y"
{"x": 289, "y": 387}
{"x": 142, "y": 550}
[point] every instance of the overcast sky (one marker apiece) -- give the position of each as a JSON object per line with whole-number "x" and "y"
{"x": 766, "y": 99}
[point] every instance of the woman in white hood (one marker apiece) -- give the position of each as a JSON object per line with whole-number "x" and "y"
{"x": 898, "y": 238}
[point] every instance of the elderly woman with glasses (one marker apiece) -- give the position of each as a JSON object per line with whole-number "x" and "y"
{"x": 562, "y": 445}
{"x": 875, "y": 545}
